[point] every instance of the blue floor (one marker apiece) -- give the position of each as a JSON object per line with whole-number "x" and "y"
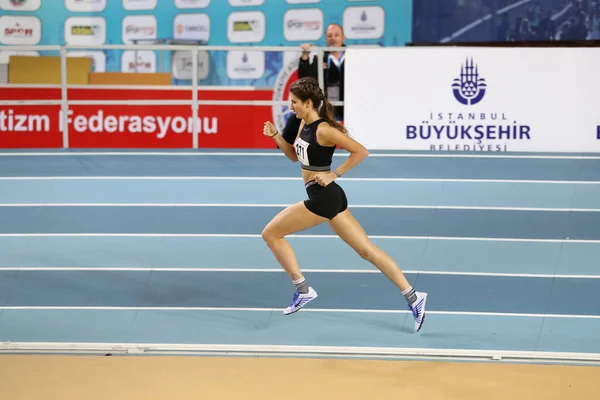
{"x": 402, "y": 193}
{"x": 352, "y": 291}
{"x": 584, "y": 169}
{"x": 159, "y": 249}
{"x": 250, "y": 220}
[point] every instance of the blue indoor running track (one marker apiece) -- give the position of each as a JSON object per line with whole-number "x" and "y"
{"x": 162, "y": 251}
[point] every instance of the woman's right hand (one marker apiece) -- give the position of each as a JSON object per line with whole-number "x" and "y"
{"x": 269, "y": 129}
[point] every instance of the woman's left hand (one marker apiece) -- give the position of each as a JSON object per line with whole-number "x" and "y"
{"x": 325, "y": 179}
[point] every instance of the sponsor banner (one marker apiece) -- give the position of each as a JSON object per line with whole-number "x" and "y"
{"x": 131, "y": 126}
{"x": 364, "y": 22}
{"x": 140, "y": 61}
{"x": 160, "y": 126}
{"x": 245, "y": 64}
{"x": 192, "y": 3}
{"x": 182, "y": 65}
{"x": 303, "y": 24}
{"x": 302, "y": 1}
{"x": 20, "y": 5}
{"x": 83, "y": 23}
{"x": 24, "y": 30}
{"x": 246, "y": 27}
{"x": 29, "y": 127}
{"x": 245, "y": 3}
{"x": 192, "y": 27}
{"x": 139, "y": 27}
{"x": 473, "y": 99}
{"x": 140, "y": 4}
{"x": 85, "y": 30}
{"x": 85, "y": 5}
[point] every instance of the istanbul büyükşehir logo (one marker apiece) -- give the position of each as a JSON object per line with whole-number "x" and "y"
{"x": 453, "y": 129}
{"x": 469, "y": 88}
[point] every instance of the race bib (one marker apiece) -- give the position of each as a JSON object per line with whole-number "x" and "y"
{"x": 302, "y": 151}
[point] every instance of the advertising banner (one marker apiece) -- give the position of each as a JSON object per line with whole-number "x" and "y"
{"x": 118, "y": 126}
{"x": 214, "y": 22}
{"x": 474, "y": 99}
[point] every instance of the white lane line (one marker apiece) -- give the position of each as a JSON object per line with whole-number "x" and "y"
{"x": 304, "y": 310}
{"x": 566, "y": 156}
{"x": 307, "y": 270}
{"x": 300, "y": 236}
{"x": 285, "y": 178}
{"x": 283, "y": 205}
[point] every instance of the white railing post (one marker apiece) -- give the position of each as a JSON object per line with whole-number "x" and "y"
{"x": 195, "y": 119}
{"x": 320, "y": 57}
{"x": 64, "y": 105}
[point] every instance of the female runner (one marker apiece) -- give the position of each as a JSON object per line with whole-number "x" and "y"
{"x": 313, "y": 145}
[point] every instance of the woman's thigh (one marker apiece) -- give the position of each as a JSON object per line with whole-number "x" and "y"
{"x": 292, "y": 219}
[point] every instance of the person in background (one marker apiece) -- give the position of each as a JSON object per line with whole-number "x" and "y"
{"x": 333, "y": 72}
{"x": 333, "y": 67}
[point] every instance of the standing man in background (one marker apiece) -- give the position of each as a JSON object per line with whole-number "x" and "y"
{"x": 333, "y": 67}
{"x": 333, "y": 73}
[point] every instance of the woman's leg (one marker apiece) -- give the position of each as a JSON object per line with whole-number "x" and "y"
{"x": 351, "y": 232}
{"x": 293, "y": 219}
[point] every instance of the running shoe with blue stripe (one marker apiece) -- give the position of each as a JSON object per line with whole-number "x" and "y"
{"x": 300, "y": 300}
{"x": 418, "y": 309}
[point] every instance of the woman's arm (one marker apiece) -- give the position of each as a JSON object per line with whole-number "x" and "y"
{"x": 288, "y": 149}
{"x": 330, "y": 136}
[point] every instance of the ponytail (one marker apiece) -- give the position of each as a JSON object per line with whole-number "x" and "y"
{"x": 308, "y": 88}
{"x": 326, "y": 112}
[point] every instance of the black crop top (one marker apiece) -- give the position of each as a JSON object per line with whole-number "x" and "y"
{"x": 311, "y": 154}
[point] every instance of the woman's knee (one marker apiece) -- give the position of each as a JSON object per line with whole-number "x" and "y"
{"x": 269, "y": 235}
{"x": 266, "y": 234}
{"x": 366, "y": 251}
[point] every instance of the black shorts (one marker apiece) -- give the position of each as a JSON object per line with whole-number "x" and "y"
{"x": 326, "y": 201}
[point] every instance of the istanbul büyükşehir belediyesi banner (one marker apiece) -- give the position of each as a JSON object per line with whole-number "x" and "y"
{"x": 474, "y": 99}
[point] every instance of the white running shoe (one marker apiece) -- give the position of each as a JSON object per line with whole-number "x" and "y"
{"x": 418, "y": 309}
{"x": 300, "y": 300}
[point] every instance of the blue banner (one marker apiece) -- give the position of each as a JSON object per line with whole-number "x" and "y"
{"x": 450, "y": 21}
{"x": 213, "y": 22}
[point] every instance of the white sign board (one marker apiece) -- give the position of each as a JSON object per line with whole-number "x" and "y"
{"x": 473, "y": 99}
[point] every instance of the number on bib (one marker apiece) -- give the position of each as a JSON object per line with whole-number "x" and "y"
{"x": 302, "y": 151}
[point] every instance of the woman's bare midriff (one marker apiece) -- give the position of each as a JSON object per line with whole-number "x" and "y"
{"x": 308, "y": 176}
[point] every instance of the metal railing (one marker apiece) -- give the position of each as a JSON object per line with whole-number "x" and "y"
{"x": 64, "y": 102}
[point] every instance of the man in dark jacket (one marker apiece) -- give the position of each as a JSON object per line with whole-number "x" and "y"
{"x": 333, "y": 73}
